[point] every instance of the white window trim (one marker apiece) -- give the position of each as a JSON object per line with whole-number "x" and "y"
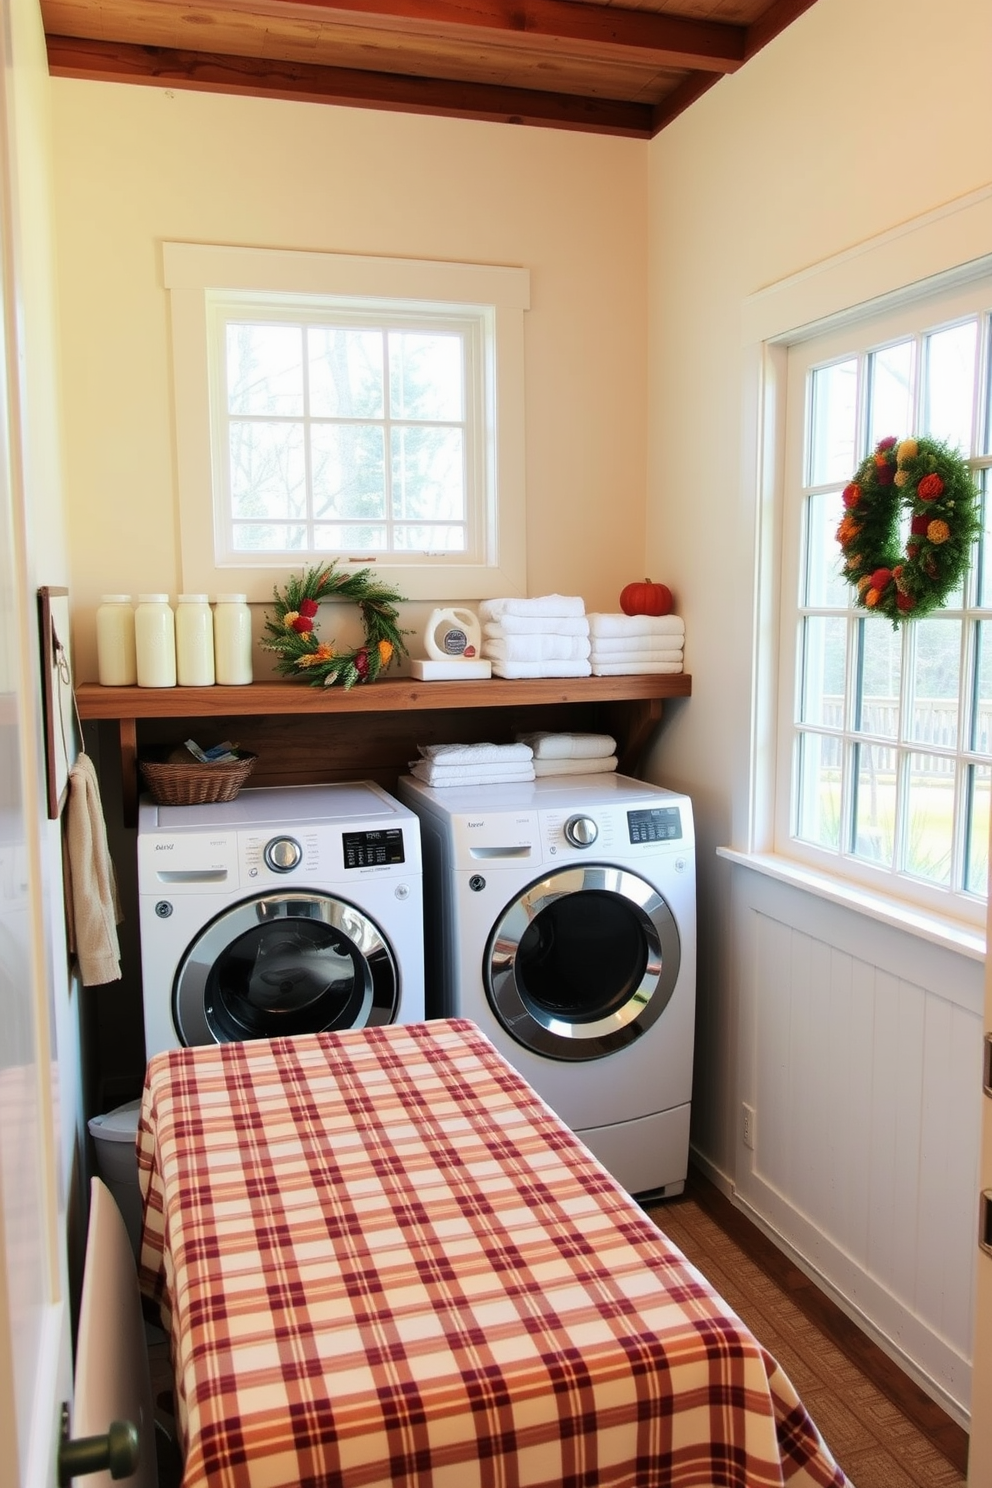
{"x": 932, "y": 253}
{"x": 191, "y": 269}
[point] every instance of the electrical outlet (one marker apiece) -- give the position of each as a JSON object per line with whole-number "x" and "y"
{"x": 748, "y": 1126}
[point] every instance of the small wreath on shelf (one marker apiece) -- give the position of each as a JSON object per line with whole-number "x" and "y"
{"x": 292, "y": 634}
{"x": 933, "y": 485}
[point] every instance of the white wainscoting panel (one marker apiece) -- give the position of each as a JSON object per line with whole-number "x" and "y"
{"x": 861, "y": 1053}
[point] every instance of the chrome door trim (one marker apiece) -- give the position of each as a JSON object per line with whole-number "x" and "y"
{"x": 535, "y": 1027}
{"x": 380, "y": 990}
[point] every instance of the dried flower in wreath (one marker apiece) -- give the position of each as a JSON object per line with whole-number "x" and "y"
{"x": 932, "y": 485}
{"x": 292, "y": 635}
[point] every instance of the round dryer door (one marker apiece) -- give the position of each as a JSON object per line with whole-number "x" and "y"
{"x": 582, "y": 962}
{"x": 284, "y": 964}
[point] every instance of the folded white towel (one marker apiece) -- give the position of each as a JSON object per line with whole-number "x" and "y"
{"x": 657, "y": 653}
{"x": 627, "y": 645}
{"x": 575, "y": 766}
{"x": 536, "y": 648}
{"x": 562, "y": 605}
{"x": 628, "y": 625}
{"x": 548, "y": 746}
{"x": 476, "y": 754}
{"x": 433, "y": 774}
{"x": 536, "y": 625}
{"x": 541, "y": 668}
{"x": 629, "y": 668}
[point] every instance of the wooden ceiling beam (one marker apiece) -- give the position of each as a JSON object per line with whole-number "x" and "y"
{"x": 165, "y": 67}
{"x": 642, "y": 35}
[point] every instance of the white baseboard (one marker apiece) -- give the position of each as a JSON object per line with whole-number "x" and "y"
{"x": 725, "y": 1185}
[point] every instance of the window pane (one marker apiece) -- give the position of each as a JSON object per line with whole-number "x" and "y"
{"x": 368, "y": 537}
{"x": 428, "y": 473}
{"x": 425, "y": 376}
{"x": 877, "y": 709}
{"x": 824, "y": 670}
{"x": 819, "y": 789}
{"x": 936, "y": 676}
{"x": 930, "y": 818}
{"x": 875, "y": 804}
{"x": 348, "y": 470}
{"x": 977, "y": 870}
{"x": 950, "y": 385}
{"x": 834, "y": 405}
{"x": 981, "y": 724}
{"x": 345, "y": 372}
{"x": 268, "y": 478}
{"x": 891, "y": 392}
{"x": 269, "y": 537}
{"x": 824, "y": 585}
{"x": 436, "y": 538}
{"x": 265, "y": 369}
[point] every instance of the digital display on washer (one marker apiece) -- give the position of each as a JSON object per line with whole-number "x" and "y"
{"x": 373, "y": 849}
{"x": 658, "y": 824}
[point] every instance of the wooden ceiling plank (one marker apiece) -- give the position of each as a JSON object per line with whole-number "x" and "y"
{"x": 206, "y": 72}
{"x": 525, "y": 65}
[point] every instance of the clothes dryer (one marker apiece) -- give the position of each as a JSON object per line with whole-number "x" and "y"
{"x": 561, "y": 918}
{"x": 284, "y": 911}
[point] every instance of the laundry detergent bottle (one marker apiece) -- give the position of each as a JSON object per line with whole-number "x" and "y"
{"x": 453, "y": 635}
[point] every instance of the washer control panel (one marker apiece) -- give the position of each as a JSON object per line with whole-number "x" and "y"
{"x": 606, "y": 830}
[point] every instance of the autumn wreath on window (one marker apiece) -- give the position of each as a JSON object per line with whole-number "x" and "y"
{"x": 292, "y": 632}
{"x": 931, "y": 485}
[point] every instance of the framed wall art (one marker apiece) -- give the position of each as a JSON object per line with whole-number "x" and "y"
{"x": 62, "y": 735}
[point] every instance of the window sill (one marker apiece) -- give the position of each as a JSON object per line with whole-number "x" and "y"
{"x": 953, "y": 935}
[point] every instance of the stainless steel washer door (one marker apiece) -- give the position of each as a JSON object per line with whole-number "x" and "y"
{"x": 284, "y": 964}
{"x": 583, "y": 962}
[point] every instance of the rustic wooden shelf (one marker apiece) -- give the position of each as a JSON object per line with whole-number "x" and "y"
{"x": 370, "y": 730}
{"x": 387, "y": 695}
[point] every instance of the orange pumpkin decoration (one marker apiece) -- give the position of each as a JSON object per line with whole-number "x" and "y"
{"x": 646, "y": 599}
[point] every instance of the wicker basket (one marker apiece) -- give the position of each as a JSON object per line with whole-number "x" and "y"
{"x": 176, "y": 782}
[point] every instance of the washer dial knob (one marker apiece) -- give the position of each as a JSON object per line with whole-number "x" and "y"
{"x": 282, "y": 854}
{"x": 581, "y": 831}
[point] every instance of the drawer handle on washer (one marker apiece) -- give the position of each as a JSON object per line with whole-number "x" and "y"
{"x": 193, "y": 875}
{"x": 500, "y": 852}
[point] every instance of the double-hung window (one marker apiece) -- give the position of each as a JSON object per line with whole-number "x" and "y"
{"x": 885, "y": 732}
{"x": 367, "y": 411}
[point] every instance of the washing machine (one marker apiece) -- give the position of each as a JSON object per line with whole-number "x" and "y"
{"x": 285, "y": 911}
{"x": 561, "y": 918}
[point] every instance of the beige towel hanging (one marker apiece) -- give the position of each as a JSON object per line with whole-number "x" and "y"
{"x": 92, "y": 908}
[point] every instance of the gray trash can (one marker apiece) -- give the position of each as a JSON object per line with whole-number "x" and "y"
{"x": 117, "y": 1162}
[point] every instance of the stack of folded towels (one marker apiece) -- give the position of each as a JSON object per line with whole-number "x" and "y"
{"x": 543, "y": 637}
{"x": 473, "y": 764}
{"x": 635, "y": 643}
{"x": 571, "y": 754}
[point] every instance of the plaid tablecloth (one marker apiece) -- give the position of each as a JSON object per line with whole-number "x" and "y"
{"x": 382, "y": 1260}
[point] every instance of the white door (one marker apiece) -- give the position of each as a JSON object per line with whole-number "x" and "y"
{"x": 980, "y": 1450}
{"x": 35, "y": 1365}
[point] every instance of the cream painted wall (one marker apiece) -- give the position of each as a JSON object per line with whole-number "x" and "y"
{"x": 861, "y": 116}
{"x": 139, "y": 165}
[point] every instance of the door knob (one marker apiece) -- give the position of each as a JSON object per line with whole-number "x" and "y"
{"x": 117, "y": 1452}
